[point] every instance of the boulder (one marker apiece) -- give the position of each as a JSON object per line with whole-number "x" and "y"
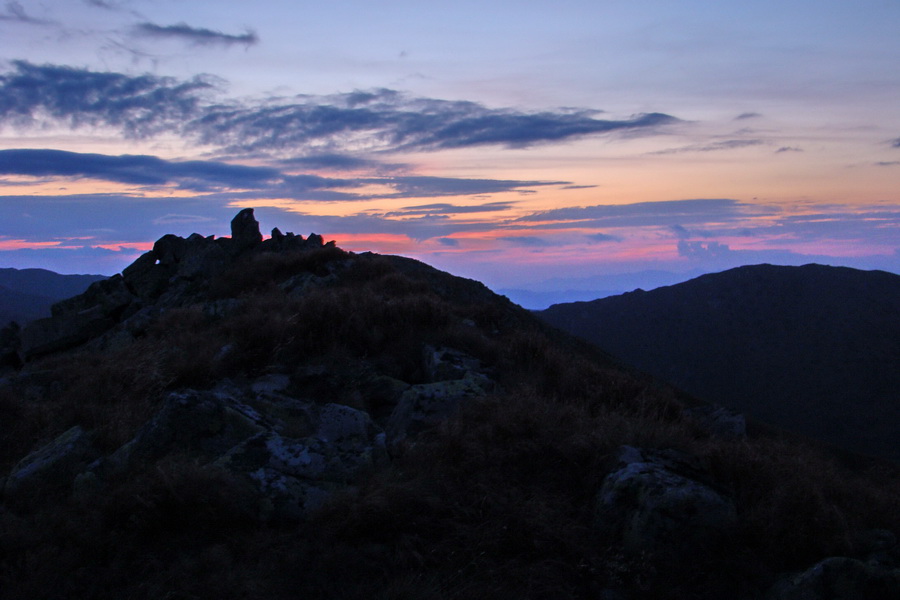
{"x": 840, "y": 578}
{"x": 425, "y": 405}
{"x": 203, "y": 259}
{"x": 245, "y": 231}
{"x": 194, "y": 257}
{"x": 205, "y": 423}
{"x": 108, "y": 297}
{"x": 53, "y": 465}
{"x": 277, "y": 236}
{"x": 295, "y": 475}
{"x": 145, "y": 277}
{"x": 659, "y": 501}
{"x": 442, "y": 363}
{"x": 334, "y": 444}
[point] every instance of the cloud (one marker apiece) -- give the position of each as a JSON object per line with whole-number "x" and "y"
{"x": 873, "y": 224}
{"x": 526, "y": 241}
{"x": 225, "y": 182}
{"x": 449, "y": 242}
{"x": 788, "y": 149}
{"x": 37, "y": 95}
{"x": 646, "y": 214}
{"x": 702, "y": 250}
{"x": 718, "y": 256}
{"x": 385, "y": 120}
{"x": 888, "y": 163}
{"x": 15, "y": 12}
{"x": 680, "y": 232}
{"x": 341, "y": 162}
{"x": 714, "y": 147}
{"x": 171, "y": 219}
{"x": 895, "y": 143}
{"x": 603, "y": 237}
{"x": 133, "y": 169}
{"x": 361, "y": 121}
{"x": 450, "y": 209}
{"x": 747, "y": 115}
{"x": 419, "y": 186}
{"x": 197, "y": 36}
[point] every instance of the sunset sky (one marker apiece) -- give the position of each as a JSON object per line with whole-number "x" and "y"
{"x": 574, "y": 144}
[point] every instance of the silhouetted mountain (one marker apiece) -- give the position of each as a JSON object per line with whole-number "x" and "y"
{"x": 27, "y": 294}
{"x": 814, "y": 349}
{"x": 243, "y": 418}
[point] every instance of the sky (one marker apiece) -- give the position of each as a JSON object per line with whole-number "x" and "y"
{"x": 554, "y": 148}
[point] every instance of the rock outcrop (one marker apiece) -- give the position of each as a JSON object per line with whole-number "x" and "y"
{"x": 661, "y": 501}
{"x": 294, "y": 458}
{"x": 455, "y": 378}
{"x": 176, "y": 270}
{"x": 292, "y": 448}
{"x": 55, "y": 464}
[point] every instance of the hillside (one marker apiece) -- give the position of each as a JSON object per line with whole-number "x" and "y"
{"x": 27, "y": 294}
{"x": 813, "y": 349}
{"x": 246, "y": 418}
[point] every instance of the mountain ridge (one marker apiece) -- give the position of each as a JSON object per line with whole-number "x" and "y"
{"x": 28, "y": 294}
{"x": 814, "y": 348}
{"x": 238, "y": 417}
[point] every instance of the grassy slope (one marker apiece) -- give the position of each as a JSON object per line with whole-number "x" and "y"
{"x": 496, "y": 503}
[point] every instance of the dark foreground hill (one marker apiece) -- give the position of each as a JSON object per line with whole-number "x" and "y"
{"x": 27, "y": 294}
{"x": 814, "y": 349}
{"x": 238, "y": 418}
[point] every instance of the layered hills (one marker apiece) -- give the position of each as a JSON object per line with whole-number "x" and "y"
{"x": 814, "y": 349}
{"x": 246, "y": 418}
{"x": 28, "y": 294}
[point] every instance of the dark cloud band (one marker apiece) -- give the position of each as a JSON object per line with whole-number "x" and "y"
{"x": 133, "y": 169}
{"x": 373, "y": 121}
{"x": 196, "y": 35}
{"x": 668, "y": 213}
{"x": 258, "y": 182}
{"x": 15, "y": 12}
{"x": 140, "y": 106}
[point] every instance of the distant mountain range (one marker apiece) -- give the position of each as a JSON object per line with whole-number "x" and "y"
{"x": 27, "y": 294}
{"x": 814, "y": 349}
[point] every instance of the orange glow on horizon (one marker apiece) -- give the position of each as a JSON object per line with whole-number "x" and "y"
{"x": 26, "y": 245}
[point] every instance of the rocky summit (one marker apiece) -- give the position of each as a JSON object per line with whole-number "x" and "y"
{"x": 279, "y": 418}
